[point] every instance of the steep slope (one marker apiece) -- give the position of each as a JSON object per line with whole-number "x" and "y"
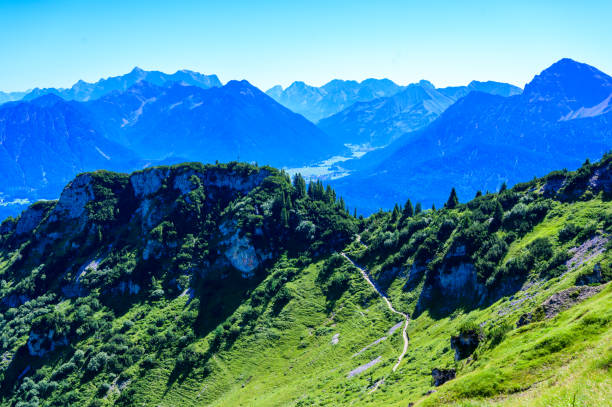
{"x": 84, "y": 91}
{"x": 484, "y": 140}
{"x": 218, "y": 285}
{"x": 378, "y": 122}
{"x": 316, "y": 103}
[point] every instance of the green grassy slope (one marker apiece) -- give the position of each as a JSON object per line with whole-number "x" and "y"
{"x": 293, "y": 333}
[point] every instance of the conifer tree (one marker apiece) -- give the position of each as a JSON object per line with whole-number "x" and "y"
{"x": 453, "y": 201}
{"x": 418, "y": 209}
{"x": 478, "y": 193}
{"x": 300, "y": 186}
{"x": 498, "y": 215}
{"x": 284, "y": 216}
{"x": 395, "y": 214}
{"x": 408, "y": 210}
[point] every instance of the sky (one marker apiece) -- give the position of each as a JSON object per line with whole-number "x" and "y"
{"x": 54, "y": 43}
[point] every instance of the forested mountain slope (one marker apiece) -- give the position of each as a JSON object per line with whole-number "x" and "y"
{"x": 224, "y": 285}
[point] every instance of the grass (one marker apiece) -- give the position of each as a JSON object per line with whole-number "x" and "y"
{"x": 286, "y": 356}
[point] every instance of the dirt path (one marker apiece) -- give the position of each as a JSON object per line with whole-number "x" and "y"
{"x": 366, "y": 276}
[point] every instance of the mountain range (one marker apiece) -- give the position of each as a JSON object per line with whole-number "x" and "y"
{"x": 316, "y": 103}
{"x": 11, "y": 96}
{"x": 46, "y": 141}
{"x": 483, "y": 140}
{"x": 378, "y": 122}
{"x": 473, "y": 137}
{"x": 84, "y": 91}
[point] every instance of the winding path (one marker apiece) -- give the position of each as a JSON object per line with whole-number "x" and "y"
{"x": 366, "y": 276}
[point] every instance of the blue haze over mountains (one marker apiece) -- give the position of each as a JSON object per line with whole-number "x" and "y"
{"x": 378, "y": 122}
{"x": 563, "y": 117}
{"x": 471, "y": 137}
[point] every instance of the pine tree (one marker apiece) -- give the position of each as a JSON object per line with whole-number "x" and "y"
{"x": 498, "y": 215}
{"x": 433, "y": 207}
{"x": 300, "y": 186}
{"x": 330, "y": 195}
{"x": 408, "y": 210}
{"x": 478, "y": 193}
{"x": 503, "y": 187}
{"x": 453, "y": 201}
{"x": 395, "y": 214}
{"x": 284, "y": 216}
{"x": 418, "y": 209}
{"x": 355, "y": 213}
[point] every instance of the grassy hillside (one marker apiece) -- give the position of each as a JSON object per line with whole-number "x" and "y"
{"x": 223, "y": 286}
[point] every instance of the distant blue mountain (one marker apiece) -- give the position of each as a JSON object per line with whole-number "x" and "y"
{"x": 378, "y": 122}
{"x": 563, "y": 117}
{"x": 46, "y": 141}
{"x": 84, "y": 91}
{"x": 233, "y": 122}
{"x": 316, "y": 103}
{"x": 11, "y": 96}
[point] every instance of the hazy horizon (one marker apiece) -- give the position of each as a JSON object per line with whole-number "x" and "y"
{"x": 56, "y": 43}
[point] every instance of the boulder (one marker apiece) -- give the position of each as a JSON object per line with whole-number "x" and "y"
{"x": 39, "y": 344}
{"x": 465, "y": 343}
{"x": 441, "y": 376}
{"x": 594, "y": 277}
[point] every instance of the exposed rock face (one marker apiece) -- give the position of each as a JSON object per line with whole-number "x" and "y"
{"x": 594, "y": 277}
{"x": 552, "y": 186}
{"x": 441, "y": 376}
{"x": 7, "y": 226}
{"x": 14, "y": 300}
{"x": 242, "y": 255}
{"x": 586, "y": 251}
{"x": 465, "y": 344}
{"x": 29, "y": 219}
{"x": 75, "y": 289}
{"x": 415, "y": 274}
{"x": 148, "y": 182}
{"x": 459, "y": 280}
{"x": 73, "y": 199}
{"x": 40, "y": 344}
{"x": 226, "y": 179}
{"x": 567, "y": 298}
{"x": 240, "y": 252}
{"x": 559, "y": 302}
{"x": 601, "y": 180}
{"x": 127, "y": 287}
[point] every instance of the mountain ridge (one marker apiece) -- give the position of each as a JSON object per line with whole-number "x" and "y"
{"x": 485, "y": 140}
{"x": 378, "y": 122}
{"x": 157, "y": 284}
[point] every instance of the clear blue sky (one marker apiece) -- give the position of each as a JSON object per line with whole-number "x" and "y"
{"x": 56, "y": 42}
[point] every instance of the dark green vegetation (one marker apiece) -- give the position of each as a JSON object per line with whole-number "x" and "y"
{"x": 221, "y": 285}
